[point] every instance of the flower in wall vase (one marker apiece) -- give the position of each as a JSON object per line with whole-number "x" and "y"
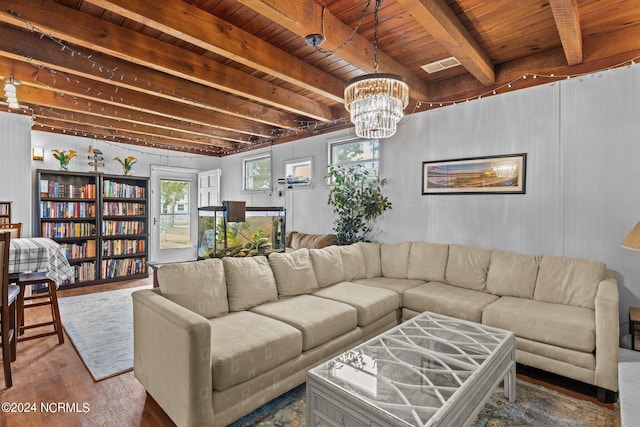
{"x": 127, "y": 163}
{"x": 64, "y": 157}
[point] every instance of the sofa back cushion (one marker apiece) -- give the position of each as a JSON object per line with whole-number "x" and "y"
{"x": 353, "y": 262}
{"x": 394, "y": 260}
{"x": 250, "y": 282}
{"x": 311, "y": 241}
{"x": 327, "y": 263}
{"x": 427, "y": 261}
{"x": 512, "y": 274}
{"x": 569, "y": 281}
{"x": 371, "y": 253}
{"x": 199, "y": 286}
{"x": 293, "y": 272}
{"x": 467, "y": 267}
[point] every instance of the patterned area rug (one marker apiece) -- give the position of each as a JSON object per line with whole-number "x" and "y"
{"x": 534, "y": 406}
{"x": 100, "y": 326}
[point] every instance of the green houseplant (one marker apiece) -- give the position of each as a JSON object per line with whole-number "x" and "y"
{"x": 357, "y": 200}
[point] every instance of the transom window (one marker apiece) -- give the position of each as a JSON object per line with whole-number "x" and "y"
{"x": 257, "y": 172}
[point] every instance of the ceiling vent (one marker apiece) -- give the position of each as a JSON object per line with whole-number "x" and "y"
{"x": 443, "y": 64}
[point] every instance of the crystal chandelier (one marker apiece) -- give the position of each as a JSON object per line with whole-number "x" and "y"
{"x": 376, "y": 101}
{"x": 10, "y": 91}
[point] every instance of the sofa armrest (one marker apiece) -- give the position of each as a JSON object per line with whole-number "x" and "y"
{"x": 172, "y": 357}
{"x": 607, "y": 334}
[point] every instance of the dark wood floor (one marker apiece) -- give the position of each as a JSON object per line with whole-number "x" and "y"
{"x": 48, "y": 373}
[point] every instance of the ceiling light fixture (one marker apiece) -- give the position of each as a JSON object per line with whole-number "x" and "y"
{"x": 10, "y": 91}
{"x": 376, "y": 100}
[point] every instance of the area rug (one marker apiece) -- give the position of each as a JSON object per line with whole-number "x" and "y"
{"x": 534, "y": 406}
{"x": 100, "y": 326}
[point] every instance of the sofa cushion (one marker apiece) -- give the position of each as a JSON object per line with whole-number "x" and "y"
{"x": 370, "y": 302}
{"x": 353, "y": 262}
{"x": 199, "y": 286}
{"x": 293, "y": 272}
{"x": 555, "y": 324}
{"x": 394, "y": 260}
{"x": 327, "y": 263}
{"x": 427, "y": 261}
{"x": 319, "y": 319}
{"x": 467, "y": 267}
{"x": 512, "y": 274}
{"x": 371, "y": 252}
{"x": 398, "y": 286}
{"x": 245, "y": 345}
{"x": 311, "y": 241}
{"x": 250, "y": 282}
{"x": 569, "y": 281}
{"x": 449, "y": 300}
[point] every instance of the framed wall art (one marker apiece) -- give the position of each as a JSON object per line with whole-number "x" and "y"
{"x": 476, "y": 175}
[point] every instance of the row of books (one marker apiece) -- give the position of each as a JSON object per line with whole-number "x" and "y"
{"x": 79, "y": 250}
{"x": 68, "y": 209}
{"x": 62, "y": 230}
{"x": 116, "y": 228}
{"x": 123, "y": 247}
{"x": 123, "y": 208}
{"x": 119, "y": 189}
{"x": 51, "y": 188}
{"x": 82, "y": 272}
{"x": 5, "y": 208}
{"x": 123, "y": 267}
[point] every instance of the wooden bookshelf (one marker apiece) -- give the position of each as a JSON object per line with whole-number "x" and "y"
{"x": 99, "y": 220}
{"x": 5, "y": 212}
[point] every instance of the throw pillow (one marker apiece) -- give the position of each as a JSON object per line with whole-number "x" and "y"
{"x": 293, "y": 272}
{"x": 250, "y": 282}
{"x": 198, "y": 286}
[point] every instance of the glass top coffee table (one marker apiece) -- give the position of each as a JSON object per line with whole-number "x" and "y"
{"x": 431, "y": 370}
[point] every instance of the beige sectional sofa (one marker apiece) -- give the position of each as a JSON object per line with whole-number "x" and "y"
{"x": 221, "y": 337}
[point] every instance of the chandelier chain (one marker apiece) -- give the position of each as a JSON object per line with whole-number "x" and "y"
{"x": 351, "y": 37}
{"x": 375, "y": 35}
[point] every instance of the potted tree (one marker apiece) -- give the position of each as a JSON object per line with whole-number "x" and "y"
{"x": 357, "y": 200}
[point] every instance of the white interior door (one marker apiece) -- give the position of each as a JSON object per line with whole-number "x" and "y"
{"x": 174, "y": 214}
{"x": 209, "y": 188}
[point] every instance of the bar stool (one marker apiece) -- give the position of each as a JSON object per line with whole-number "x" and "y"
{"x": 49, "y": 297}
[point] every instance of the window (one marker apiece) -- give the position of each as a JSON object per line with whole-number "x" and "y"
{"x": 257, "y": 172}
{"x": 297, "y": 172}
{"x": 355, "y": 151}
{"x": 175, "y": 224}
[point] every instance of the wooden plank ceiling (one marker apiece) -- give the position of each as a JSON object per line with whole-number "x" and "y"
{"x": 221, "y": 76}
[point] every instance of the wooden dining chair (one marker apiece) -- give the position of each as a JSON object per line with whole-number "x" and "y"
{"x": 47, "y": 296}
{"x": 14, "y": 228}
{"x": 8, "y": 314}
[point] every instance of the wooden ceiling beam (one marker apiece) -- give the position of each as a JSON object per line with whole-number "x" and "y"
{"x": 304, "y": 17}
{"x": 601, "y": 51}
{"x": 116, "y": 126}
{"x": 32, "y": 96}
{"x": 565, "y": 13}
{"x": 88, "y": 131}
{"x": 437, "y": 19}
{"x": 193, "y": 25}
{"x": 44, "y": 52}
{"x": 97, "y": 91}
{"x": 93, "y": 33}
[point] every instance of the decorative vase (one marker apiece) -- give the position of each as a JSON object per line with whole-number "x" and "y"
{"x": 126, "y": 164}
{"x": 63, "y": 158}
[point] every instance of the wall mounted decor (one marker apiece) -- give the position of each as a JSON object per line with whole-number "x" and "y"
{"x": 475, "y": 175}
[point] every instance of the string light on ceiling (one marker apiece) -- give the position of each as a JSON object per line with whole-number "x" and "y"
{"x": 10, "y": 91}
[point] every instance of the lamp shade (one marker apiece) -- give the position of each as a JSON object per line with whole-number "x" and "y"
{"x": 632, "y": 241}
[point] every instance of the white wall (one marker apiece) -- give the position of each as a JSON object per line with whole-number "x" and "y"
{"x": 582, "y": 196}
{"x": 15, "y": 152}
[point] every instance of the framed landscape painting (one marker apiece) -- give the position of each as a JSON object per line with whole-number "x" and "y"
{"x": 476, "y": 175}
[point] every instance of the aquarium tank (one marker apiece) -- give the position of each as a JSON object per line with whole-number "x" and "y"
{"x": 261, "y": 233}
